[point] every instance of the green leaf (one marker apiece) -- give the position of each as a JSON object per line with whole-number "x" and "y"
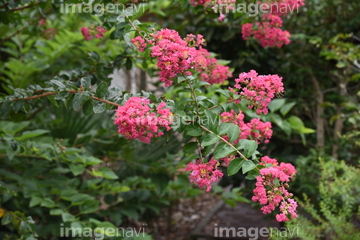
{"x": 276, "y": 104}
{"x": 90, "y": 160}
{"x": 94, "y": 56}
{"x": 23, "y": 227}
{"x": 99, "y": 107}
{"x": 67, "y": 217}
{"x": 48, "y": 203}
{"x": 6, "y": 219}
{"x": 223, "y": 92}
{"x": 128, "y": 64}
{"x": 85, "y": 82}
{"x": 234, "y": 166}
{"x": 117, "y": 34}
{"x": 306, "y": 130}
{"x": 56, "y": 211}
{"x": 209, "y": 139}
{"x": 249, "y": 147}
{"x": 89, "y": 206}
{"x": 105, "y": 173}
{"x": 87, "y": 107}
{"x": 286, "y": 108}
{"x": 103, "y": 228}
{"x": 59, "y": 84}
{"x": 18, "y": 105}
{"x": 295, "y": 122}
{"x": 130, "y": 213}
{"x": 223, "y": 150}
{"x": 252, "y": 174}
{"x": 248, "y": 166}
{"x": 77, "y": 169}
{"x": 102, "y": 90}
{"x": 30, "y": 237}
{"x": 190, "y": 147}
{"x": 12, "y": 128}
{"x": 35, "y": 200}
{"x": 31, "y": 134}
{"x": 191, "y": 157}
{"x": 62, "y": 95}
{"x": 233, "y": 133}
{"x": 193, "y": 130}
{"x": 224, "y": 128}
{"x": 78, "y": 100}
{"x": 80, "y": 198}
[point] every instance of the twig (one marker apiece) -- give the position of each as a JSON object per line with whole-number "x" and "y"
{"x": 194, "y": 96}
{"x": 225, "y": 141}
{"x": 131, "y": 23}
{"x": 8, "y": 37}
{"x": 24, "y": 7}
{"x": 71, "y": 92}
{"x": 2, "y": 6}
{"x": 229, "y": 101}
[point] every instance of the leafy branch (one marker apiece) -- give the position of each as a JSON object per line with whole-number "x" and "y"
{"x": 225, "y": 141}
{"x": 69, "y": 91}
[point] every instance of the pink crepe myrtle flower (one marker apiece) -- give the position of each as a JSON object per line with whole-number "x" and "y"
{"x": 221, "y": 17}
{"x": 90, "y": 32}
{"x": 86, "y": 33}
{"x": 139, "y": 42}
{"x": 204, "y": 173}
{"x": 176, "y": 56}
{"x": 258, "y": 89}
{"x": 271, "y": 189}
{"x": 42, "y": 22}
{"x": 137, "y": 120}
{"x": 268, "y": 32}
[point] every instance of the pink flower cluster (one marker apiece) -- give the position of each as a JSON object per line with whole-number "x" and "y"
{"x": 176, "y": 56}
{"x": 139, "y": 42}
{"x": 91, "y": 32}
{"x": 137, "y": 120}
{"x": 258, "y": 89}
{"x": 271, "y": 190}
{"x": 212, "y": 72}
{"x": 268, "y": 32}
{"x": 204, "y": 173}
{"x": 255, "y": 129}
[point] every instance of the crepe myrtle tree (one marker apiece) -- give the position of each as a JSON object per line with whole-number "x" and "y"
{"x": 204, "y": 111}
{"x": 217, "y": 125}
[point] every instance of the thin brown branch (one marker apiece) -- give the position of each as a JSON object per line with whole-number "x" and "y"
{"x": 105, "y": 101}
{"x": 24, "y": 7}
{"x": 15, "y": 33}
{"x": 2, "y": 6}
{"x": 229, "y": 101}
{"x": 71, "y": 92}
{"x": 194, "y": 96}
